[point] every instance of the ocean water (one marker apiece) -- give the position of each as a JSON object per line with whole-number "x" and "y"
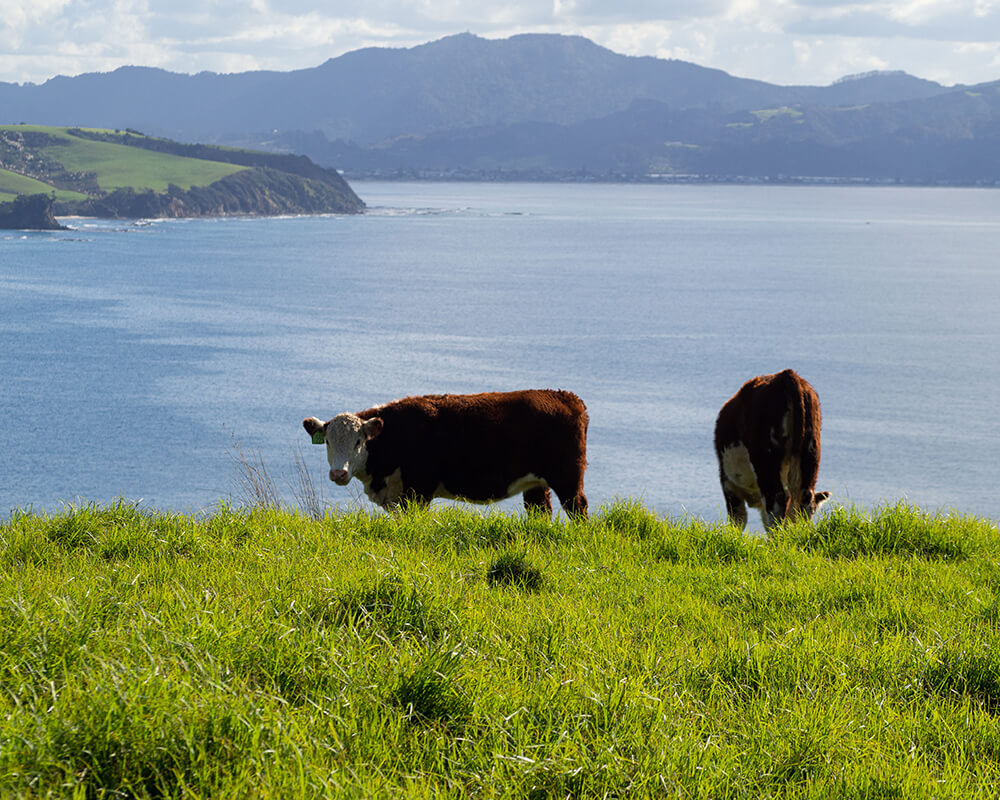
{"x": 136, "y": 357}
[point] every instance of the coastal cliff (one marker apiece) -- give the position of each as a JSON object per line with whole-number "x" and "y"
{"x": 29, "y": 212}
{"x": 258, "y": 191}
{"x": 116, "y": 174}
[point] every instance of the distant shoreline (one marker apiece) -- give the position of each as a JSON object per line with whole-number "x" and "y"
{"x": 664, "y": 180}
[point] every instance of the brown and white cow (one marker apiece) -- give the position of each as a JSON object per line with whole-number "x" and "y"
{"x": 476, "y": 447}
{"x": 767, "y": 439}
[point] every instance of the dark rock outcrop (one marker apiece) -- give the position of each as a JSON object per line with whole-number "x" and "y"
{"x": 33, "y": 212}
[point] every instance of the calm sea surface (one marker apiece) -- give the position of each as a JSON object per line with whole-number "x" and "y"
{"x": 133, "y": 357}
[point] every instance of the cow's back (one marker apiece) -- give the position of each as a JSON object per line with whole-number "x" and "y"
{"x": 778, "y": 409}
{"x": 478, "y": 445}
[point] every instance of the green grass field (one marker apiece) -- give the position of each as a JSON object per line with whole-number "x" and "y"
{"x": 119, "y": 166}
{"x": 12, "y": 184}
{"x": 439, "y": 653}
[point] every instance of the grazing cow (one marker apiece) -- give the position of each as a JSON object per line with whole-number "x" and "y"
{"x": 767, "y": 443}
{"x": 476, "y": 447}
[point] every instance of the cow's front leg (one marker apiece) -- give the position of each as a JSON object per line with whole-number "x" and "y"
{"x": 412, "y": 500}
{"x": 774, "y": 507}
{"x": 538, "y": 501}
{"x": 576, "y": 506}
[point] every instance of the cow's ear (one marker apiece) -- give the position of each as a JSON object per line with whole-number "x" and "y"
{"x": 372, "y": 428}
{"x": 312, "y": 425}
{"x": 819, "y": 498}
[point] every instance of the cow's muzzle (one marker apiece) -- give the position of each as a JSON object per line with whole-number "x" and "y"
{"x": 341, "y": 477}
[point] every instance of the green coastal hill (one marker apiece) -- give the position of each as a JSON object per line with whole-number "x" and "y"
{"x": 107, "y": 173}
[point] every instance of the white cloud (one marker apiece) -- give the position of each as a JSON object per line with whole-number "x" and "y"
{"x": 969, "y": 20}
{"x": 639, "y": 11}
{"x": 784, "y": 41}
{"x": 17, "y": 13}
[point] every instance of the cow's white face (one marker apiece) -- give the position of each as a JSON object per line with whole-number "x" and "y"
{"x": 346, "y": 437}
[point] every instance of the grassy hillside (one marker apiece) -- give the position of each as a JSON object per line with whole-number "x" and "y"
{"x": 442, "y": 654}
{"x": 116, "y": 166}
{"x": 12, "y": 184}
{"x": 124, "y": 173}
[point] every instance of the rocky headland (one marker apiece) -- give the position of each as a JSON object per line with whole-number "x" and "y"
{"x": 32, "y": 212}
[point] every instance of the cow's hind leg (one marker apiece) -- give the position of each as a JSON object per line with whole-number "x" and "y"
{"x": 568, "y": 486}
{"x": 736, "y": 508}
{"x": 538, "y": 501}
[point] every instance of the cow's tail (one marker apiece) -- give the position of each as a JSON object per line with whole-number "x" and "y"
{"x": 797, "y": 443}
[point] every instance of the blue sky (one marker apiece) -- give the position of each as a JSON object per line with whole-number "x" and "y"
{"x": 782, "y": 41}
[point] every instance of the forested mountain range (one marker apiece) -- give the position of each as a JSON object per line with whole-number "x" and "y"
{"x": 546, "y": 106}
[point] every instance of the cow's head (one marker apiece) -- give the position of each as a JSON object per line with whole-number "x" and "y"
{"x": 782, "y": 507}
{"x": 811, "y": 501}
{"x": 346, "y": 437}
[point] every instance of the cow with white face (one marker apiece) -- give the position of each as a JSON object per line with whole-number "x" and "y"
{"x": 346, "y": 437}
{"x": 480, "y": 447}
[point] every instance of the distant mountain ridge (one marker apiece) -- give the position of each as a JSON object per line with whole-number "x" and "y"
{"x": 461, "y": 81}
{"x": 541, "y": 105}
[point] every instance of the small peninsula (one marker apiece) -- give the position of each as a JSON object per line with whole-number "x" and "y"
{"x": 46, "y": 172}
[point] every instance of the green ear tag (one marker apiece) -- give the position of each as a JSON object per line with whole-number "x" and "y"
{"x": 318, "y": 438}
